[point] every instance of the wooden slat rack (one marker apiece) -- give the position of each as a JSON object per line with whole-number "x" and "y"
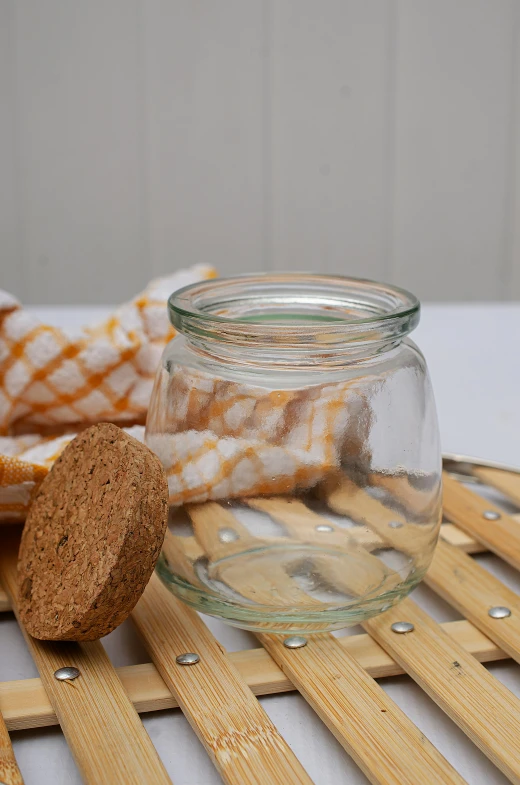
{"x": 337, "y": 676}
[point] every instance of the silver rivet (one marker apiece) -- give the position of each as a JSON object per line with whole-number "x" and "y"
{"x": 66, "y": 674}
{"x": 190, "y": 658}
{"x": 395, "y": 524}
{"x": 499, "y": 612}
{"x": 295, "y": 642}
{"x": 324, "y": 527}
{"x": 228, "y": 535}
{"x": 491, "y": 515}
{"x": 402, "y": 626}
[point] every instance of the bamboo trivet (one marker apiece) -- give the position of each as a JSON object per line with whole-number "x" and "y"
{"x": 365, "y": 721}
{"x": 238, "y": 735}
{"x": 467, "y": 510}
{"x": 368, "y": 724}
{"x": 478, "y": 703}
{"x": 506, "y": 482}
{"x": 24, "y": 703}
{"x": 441, "y": 658}
{"x": 83, "y": 706}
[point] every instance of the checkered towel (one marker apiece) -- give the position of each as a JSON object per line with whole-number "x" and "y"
{"x": 220, "y": 439}
{"x": 217, "y": 438}
{"x": 51, "y": 381}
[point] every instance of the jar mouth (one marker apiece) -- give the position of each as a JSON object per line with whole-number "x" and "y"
{"x": 294, "y": 310}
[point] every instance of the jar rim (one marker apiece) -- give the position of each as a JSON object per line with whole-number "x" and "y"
{"x": 348, "y": 301}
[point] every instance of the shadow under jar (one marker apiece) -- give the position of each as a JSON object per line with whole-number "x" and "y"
{"x": 297, "y": 427}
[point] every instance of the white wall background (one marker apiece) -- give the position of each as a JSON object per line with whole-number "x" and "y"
{"x": 368, "y": 137}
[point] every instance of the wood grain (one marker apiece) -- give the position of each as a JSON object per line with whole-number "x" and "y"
{"x": 94, "y": 710}
{"x": 460, "y": 539}
{"x": 453, "y": 575}
{"x": 478, "y": 703}
{"x": 364, "y": 571}
{"x": 257, "y": 582}
{"x": 301, "y": 522}
{"x": 506, "y": 482}
{"x": 24, "y": 703}
{"x": 473, "y": 590}
{"x": 237, "y": 734}
{"x": 381, "y": 739}
{"x": 465, "y": 508}
{"x": 9, "y": 772}
{"x": 181, "y": 553}
{"x": 346, "y": 498}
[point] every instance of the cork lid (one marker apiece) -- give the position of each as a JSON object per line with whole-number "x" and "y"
{"x": 92, "y": 536}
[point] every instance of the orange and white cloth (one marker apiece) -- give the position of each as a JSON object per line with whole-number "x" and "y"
{"x": 220, "y": 439}
{"x": 51, "y": 381}
{"x": 217, "y": 438}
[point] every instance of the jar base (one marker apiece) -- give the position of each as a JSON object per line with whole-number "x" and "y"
{"x": 316, "y": 617}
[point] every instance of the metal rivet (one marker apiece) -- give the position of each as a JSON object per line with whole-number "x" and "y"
{"x": 395, "y": 524}
{"x": 324, "y": 527}
{"x": 499, "y": 612}
{"x": 491, "y": 515}
{"x": 190, "y": 658}
{"x": 402, "y": 627}
{"x": 66, "y": 674}
{"x": 295, "y": 642}
{"x": 228, "y": 535}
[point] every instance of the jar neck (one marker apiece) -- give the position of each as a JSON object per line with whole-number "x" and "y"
{"x": 293, "y": 319}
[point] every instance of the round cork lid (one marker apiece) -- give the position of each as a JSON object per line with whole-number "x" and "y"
{"x": 92, "y": 537}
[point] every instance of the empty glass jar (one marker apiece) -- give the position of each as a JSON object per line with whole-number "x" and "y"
{"x": 296, "y": 424}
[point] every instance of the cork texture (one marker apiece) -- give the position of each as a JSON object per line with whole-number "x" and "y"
{"x": 92, "y": 537}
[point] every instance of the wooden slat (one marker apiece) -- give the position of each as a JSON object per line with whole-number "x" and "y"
{"x": 381, "y": 739}
{"x": 301, "y": 523}
{"x": 478, "y": 703}
{"x": 183, "y": 551}
{"x": 466, "y": 509}
{"x": 507, "y": 483}
{"x": 254, "y": 581}
{"x": 9, "y": 771}
{"x": 239, "y": 737}
{"x": 346, "y": 498}
{"x": 148, "y": 691}
{"x": 181, "y": 554}
{"x": 123, "y": 749}
{"x": 460, "y": 539}
{"x": 24, "y": 703}
{"x": 364, "y": 571}
{"x": 472, "y": 590}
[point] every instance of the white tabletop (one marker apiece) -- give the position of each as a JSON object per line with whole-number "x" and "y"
{"x": 472, "y": 351}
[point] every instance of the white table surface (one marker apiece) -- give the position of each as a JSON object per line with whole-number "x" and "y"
{"x": 473, "y": 354}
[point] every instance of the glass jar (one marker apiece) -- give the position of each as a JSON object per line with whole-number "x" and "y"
{"x": 297, "y": 427}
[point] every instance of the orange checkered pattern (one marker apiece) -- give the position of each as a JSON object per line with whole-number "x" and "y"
{"x": 221, "y": 439}
{"x": 52, "y": 381}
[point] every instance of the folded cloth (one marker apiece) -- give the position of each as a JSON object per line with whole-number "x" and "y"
{"x": 52, "y": 381}
{"x": 221, "y": 439}
{"x": 217, "y": 438}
